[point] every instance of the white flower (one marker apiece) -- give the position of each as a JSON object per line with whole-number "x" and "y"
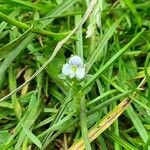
{"x": 74, "y": 68}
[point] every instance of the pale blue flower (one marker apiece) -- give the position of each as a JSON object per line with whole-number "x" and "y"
{"x": 74, "y": 68}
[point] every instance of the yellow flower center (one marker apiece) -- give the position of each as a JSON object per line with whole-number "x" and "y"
{"x": 74, "y": 68}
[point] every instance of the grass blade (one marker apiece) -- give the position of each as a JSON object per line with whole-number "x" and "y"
{"x": 106, "y": 121}
{"x": 121, "y": 141}
{"x": 31, "y": 136}
{"x": 13, "y": 45}
{"x": 12, "y": 55}
{"x": 103, "y": 125}
{"x": 137, "y": 123}
{"x": 102, "y": 44}
{"x": 83, "y": 120}
{"x": 117, "y": 55}
{"x": 131, "y": 6}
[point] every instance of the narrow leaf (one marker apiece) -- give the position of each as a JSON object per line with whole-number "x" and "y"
{"x": 116, "y": 56}
{"x": 137, "y": 123}
{"x": 31, "y": 136}
{"x": 13, "y": 44}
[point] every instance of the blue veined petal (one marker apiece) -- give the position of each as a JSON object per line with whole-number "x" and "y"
{"x": 76, "y": 61}
{"x": 80, "y": 73}
{"x": 66, "y": 69}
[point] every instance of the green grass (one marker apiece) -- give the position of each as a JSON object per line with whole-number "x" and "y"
{"x": 109, "y": 109}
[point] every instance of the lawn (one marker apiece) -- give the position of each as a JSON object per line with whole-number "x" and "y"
{"x": 74, "y": 74}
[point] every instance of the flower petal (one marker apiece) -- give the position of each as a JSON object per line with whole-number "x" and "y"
{"x": 66, "y": 69}
{"x": 72, "y": 74}
{"x": 76, "y": 61}
{"x": 80, "y": 73}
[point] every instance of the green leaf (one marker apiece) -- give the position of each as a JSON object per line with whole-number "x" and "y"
{"x": 29, "y": 4}
{"x": 132, "y": 8}
{"x": 31, "y": 136}
{"x": 28, "y": 120}
{"x": 137, "y": 123}
{"x": 3, "y": 24}
{"x": 102, "y": 43}
{"x": 65, "y": 5}
{"x": 83, "y": 122}
{"x": 4, "y": 135}
{"x": 116, "y": 56}
{"x": 147, "y": 144}
{"x": 104, "y": 123}
{"x": 13, "y": 45}
{"x": 120, "y": 141}
{"x": 13, "y": 54}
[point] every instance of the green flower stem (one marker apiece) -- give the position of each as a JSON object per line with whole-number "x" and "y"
{"x": 83, "y": 121}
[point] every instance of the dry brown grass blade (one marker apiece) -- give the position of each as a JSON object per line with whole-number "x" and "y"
{"x": 106, "y": 121}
